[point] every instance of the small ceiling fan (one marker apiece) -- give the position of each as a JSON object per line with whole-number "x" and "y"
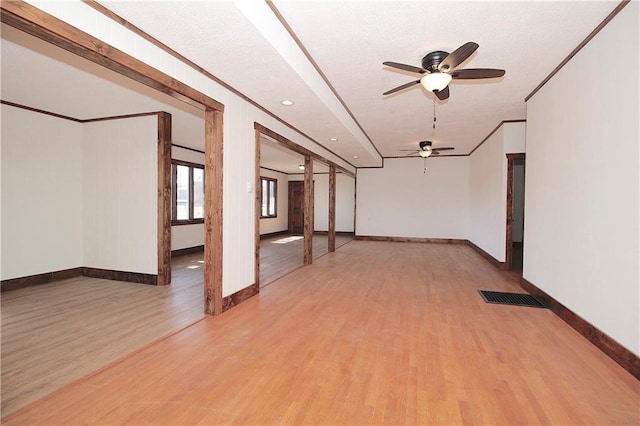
{"x": 426, "y": 150}
{"x": 439, "y": 68}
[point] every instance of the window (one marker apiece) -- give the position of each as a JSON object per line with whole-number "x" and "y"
{"x": 187, "y": 193}
{"x": 269, "y": 193}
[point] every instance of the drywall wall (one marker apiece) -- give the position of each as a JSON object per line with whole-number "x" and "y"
{"x": 345, "y": 203}
{"x": 120, "y": 188}
{"x": 41, "y": 193}
{"x": 402, "y": 200}
{"x": 488, "y": 188}
{"x": 279, "y": 223}
{"x": 487, "y": 196}
{"x": 582, "y": 184}
{"x": 186, "y": 236}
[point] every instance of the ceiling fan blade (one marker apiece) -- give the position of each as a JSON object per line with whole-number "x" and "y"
{"x": 404, "y": 67}
{"x": 413, "y": 153}
{"x": 444, "y": 148}
{"x": 404, "y": 86}
{"x": 442, "y": 94}
{"x": 458, "y": 56}
{"x": 434, "y": 152}
{"x": 474, "y": 73}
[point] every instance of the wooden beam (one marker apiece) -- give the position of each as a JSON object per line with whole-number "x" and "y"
{"x": 308, "y": 210}
{"x": 332, "y": 208}
{"x": 299, "y": 149}
{"x": 213, "y": 213}
{"x": 38, "y": 23}
{"x": 164, "y": 198}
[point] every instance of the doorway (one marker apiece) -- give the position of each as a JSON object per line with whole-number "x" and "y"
{"x": 296, "y": 207}
{"x": 514, "y": 258}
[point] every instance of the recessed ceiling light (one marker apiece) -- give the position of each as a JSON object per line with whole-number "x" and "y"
{"x": 287, "y": 102}
{"x": 356, "y": 157}
{"x": 334, "y": 139}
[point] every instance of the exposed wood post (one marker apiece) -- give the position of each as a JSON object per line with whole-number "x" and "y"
{"x": 258, "y": 193}
{"x": 213, "y": 212}
{"x": 308, "y": 210}
{"x": 332, "y": 208}
{"x": 164, "y": 198}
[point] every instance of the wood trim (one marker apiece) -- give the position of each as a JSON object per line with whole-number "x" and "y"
{"x": 272, "y": 234}
{"x": 38, "y": 23}
{"x": 40, "y": 111}
{"x": 187, "y": 148}
{"x": 110, "y": 274}
{"x": 240, "y": 296}
{"x": 122, "y": 117}
{"x": 332, "y": 210}
{"x": 308, "y": 210}
{"x": 627, "y": 359}
{"x": 508, "y": 262}
{"x": 584, "y": 42}
{"x": 203, "y": 71}
{"x": 341, "y": 233}
{"x": 257, "y": 209}
{"x": 299, "y": 149}
{"x": 164, "y": 198}
{"x": 38, "y": 279}
{"x": 495, "y": 130}
{"x": 495, "y": 262}
{"x": 410, "y": 239}
{"x": 213, "y": 177}
{"x": 187, "y": 163}
{"x": 187, "y": 250}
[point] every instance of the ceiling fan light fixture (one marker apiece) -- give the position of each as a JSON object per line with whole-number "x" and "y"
{"x": 435, "y": 81}
{"x": 301, "y": 166}
{"x": 425, "y": 153}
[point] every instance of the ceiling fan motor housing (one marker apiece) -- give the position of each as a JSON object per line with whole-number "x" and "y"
{"x": 431, "y": 61}
{"x": 424, "y": 145}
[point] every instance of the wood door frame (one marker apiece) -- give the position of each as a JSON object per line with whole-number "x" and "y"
{"x": 34, "y": 21}
{"x": 511, "y": 159}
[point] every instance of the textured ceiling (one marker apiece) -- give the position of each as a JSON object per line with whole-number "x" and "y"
{"x": 248, "y": 44}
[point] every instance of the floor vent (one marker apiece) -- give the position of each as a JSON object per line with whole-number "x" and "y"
{"x": 515, "y": 299}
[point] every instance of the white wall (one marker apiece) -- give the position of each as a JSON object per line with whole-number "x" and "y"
{"x": 120, "y": 188}
{"x": 345, "y": 203}
{"x": 399, "y": 200}
{"x": 488, "y": 188}
{"x": 186, "y": 236}
{"x": 279, "y": 223}
{"x": 582, "y": 184}
{"x": 41, "y": 193}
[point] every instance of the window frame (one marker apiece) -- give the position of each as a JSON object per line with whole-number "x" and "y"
{"x": 275, "y": 197}
{"x": 174, "y": 192}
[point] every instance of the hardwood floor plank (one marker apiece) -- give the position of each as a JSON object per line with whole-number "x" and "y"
{"x": 375, "y": 333}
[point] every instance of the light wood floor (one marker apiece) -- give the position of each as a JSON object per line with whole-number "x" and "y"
{"x": 376, "y": 333}
{"x": 282, "y": 254}
{"x": 55, "y": 334}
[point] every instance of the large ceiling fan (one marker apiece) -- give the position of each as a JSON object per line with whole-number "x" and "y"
{"x": 440, "y": 68}
{"x": 426, "y": 149}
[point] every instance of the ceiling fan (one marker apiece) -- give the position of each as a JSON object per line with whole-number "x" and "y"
{"x": 426, "y": 149}
{"x": 440, "y": 68}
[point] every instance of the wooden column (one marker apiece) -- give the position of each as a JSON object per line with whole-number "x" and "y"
{"x": 258, "y": 194}
{"x": 164, "y": 198}
{"x": 332, "y": 208}
{"x": 213, "y": 212}
{"x": 308, "y": 210}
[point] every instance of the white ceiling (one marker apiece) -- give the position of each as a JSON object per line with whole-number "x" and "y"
{"x": 245, "y": 44}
